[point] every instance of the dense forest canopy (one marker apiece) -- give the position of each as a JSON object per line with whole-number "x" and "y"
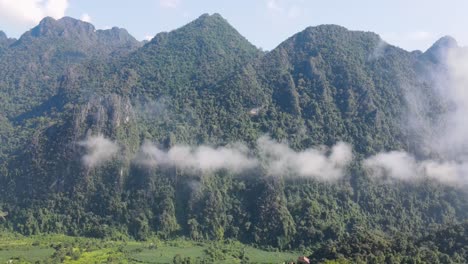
{"x": 332, "y": 143}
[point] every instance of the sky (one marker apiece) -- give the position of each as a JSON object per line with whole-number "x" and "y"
{"x": 409, "y": 24}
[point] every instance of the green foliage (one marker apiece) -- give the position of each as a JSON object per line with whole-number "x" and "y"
{"x": 63, "y": 249}
{"x": 206, "y": 84}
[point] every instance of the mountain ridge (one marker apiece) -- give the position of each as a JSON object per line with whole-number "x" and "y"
{"x": 86, "y": 26}
{"x": 94, "y": 133}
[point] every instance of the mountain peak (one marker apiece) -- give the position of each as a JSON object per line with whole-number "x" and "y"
{"x": 3, "y": 36}
{"x": 207, "y": 21}
{"x": 5, "y": 40}
{"x": 206, "y": 29}
{"x": 115, "y": 32}
{"x": 208, "y": 17}
{"x": 438, "y": 51}
{"x": 312, "y": 39}
{"x": 118, "y": 36}
{"x": 208, "y": 44}
{"x": 326, "y": 27}
{"x": 335, "y": 33}
{"x": 62, "y": 27}
{"x": 445, "y": 42}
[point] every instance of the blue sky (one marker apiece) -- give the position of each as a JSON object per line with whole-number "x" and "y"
{"x": 410, "y": 24}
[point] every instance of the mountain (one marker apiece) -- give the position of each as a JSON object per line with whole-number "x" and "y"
{"x": 437, "y": 52}
{"x": 49, "y": 50}
{"x": 192, "y": 58}
{"x": 4, "y": 37}
{"x": 85, "y": 34}
{"x": 4, "y": 42}
{"x": 325, "y": 80}
{"x": 34, "y": 67}
{"x": 80, "y": 105}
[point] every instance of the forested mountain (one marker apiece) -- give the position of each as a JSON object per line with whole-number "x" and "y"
{"x": 90, "y": 121}
{"x": 4, "y": 40}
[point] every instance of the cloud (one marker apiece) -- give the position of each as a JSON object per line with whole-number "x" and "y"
{"x": 169, "y": 3}
{"x": 452, "y": 141}
{"x": 403, "y": 166}
{"x": 284, "y": 8}
{"x": 437, "y": 115}
{"x": 86, "y": 17}
{"x": 28, "y": 12}
{"x": 148, "y": 37}
{"x": 277, "y": 159}
{"x": 395, "y": 164}
{"x": 379, "y": 50}
{"x": 202, "y": 158}
{"x": 321, "y": 163}
{"x": 443, "y": 136}
{"x": 274, "y": 6}
{"x": 98, "y": 150}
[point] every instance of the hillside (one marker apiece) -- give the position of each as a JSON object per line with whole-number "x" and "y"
{"x": 199, "y": 134}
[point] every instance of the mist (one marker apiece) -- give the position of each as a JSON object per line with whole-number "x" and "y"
{"x": 233, "y": 158}
{"x": 277, "y": 159}
{"x": 326, "y": 164}
{"x": 98, "y": 150}
{"x": 405, "y": 167}
{"x": 444, "y": 139}
{"x": 453, "y": 140}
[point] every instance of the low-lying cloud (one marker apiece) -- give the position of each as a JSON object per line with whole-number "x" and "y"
{"x": 277, "y": 159}
{"x": 320, "y": 163}
{"x": 444, "y": 141}
{"x": 98, "y": 150}
{"x": 202, "y": 158}
{"x": 452, "y": 142}
{"x": 403, "y": 166}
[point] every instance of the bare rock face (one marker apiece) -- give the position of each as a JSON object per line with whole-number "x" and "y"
{"x": 102, "y": 130}
{"x": 104, "y": 115}
{"x": 83, "y": 32}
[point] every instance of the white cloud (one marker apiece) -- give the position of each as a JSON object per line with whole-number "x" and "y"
{"x": 445, "y": 145}
{"x": 55, "y": 8}
{"x": 148, "y": 37}
{"x": 273, "y": 5}
{"x": 98, "y": 150}
{"x": 443, "y": 135}
{"x": 395, "y": 164}
{"x": 403, "y": 166}
{"x": 288, "y": 9}
{"x": 28, "y": 12}
{"x": 453, "y": 135}
{"x": 169, "y": 3}
{"x": 86, "y": 17}
{"x": 277, "y": 159}
{"x": 201, "y": 158}
{"x": 321, "y": 163}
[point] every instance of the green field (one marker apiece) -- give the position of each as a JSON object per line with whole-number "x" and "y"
{"x": 64, "y": 249}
